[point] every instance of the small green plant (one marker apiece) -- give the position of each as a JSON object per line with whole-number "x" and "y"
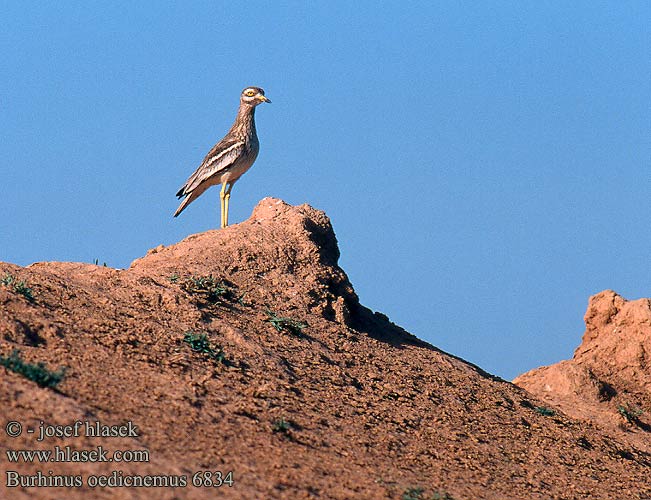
{"x": 631, "y": 414}
{"x": 418, "y": 492}
{"x": 242, "y": 302}
{"x": 174, "y": 278}
{"x": 17, "y": 286}
{"x": 413, "y": 494}
{"x": 285, "y": 324}
{"x": 35, "y": 372}
{"x": 546, "y": 412}
{"x": 280, "y": 426}
{"x": 212, "y": 288}
{"x": 22, "y": 288}
{"x": 200, "y": 343}
{"x": 96, "y": 262}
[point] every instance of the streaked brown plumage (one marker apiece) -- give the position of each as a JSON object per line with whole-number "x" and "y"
{"x": 229, "y": 158}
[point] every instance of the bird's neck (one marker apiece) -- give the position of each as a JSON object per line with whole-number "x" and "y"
{"x": 245, "y": 120}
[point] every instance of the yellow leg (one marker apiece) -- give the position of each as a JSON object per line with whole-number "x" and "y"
{"x": 224, "y": 210}
{"x": 227, "y": 201}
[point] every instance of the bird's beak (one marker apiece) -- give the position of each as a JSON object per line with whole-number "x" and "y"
{"x": 263, "y": 98}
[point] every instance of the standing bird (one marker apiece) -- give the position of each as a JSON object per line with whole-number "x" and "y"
{"x": 229, "y": 158}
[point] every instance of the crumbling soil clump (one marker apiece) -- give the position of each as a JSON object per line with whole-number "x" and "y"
{"x": 608, "y": 381}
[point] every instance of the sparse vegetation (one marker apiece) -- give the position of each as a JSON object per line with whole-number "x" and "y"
{"x": 242, "y": 302}
{"x": 285, "y": 324}
{"x": 96, "y": 262}
{"x": 22, "y": 288}
{"x": 200, "y": 343}
{"x": 417, "y": 493}
{"x": 442, "y": 496}
{"x": 35, "y": 372}
{"x": 546, "y": 412}
{"x": 280, "y": 426}
{"x": 630, "y": 413}
{"x": 413, "y": 494}
{"x": 213, "y": 289}
{"x": 174, "y": 278}
{"x": 17, "y": 286}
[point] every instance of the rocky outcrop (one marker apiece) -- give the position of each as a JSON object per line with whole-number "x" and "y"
{"x": 608, "y": 381}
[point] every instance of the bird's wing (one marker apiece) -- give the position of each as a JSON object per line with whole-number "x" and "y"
{"x": 218, "y": 159}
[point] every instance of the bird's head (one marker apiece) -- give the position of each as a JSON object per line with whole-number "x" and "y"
{"x": 253, "y": 96}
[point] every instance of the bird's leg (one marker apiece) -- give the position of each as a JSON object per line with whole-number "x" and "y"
{"x": 228, "y": 199}
{"x": 224, "y": 210}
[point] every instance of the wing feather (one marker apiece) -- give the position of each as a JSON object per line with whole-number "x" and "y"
{"x": 219, "y": 158}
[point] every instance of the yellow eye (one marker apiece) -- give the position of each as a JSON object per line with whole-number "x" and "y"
{"x": 250, "y": 93}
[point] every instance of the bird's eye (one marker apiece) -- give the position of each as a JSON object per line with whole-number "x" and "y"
{"x": 250, "y": 93}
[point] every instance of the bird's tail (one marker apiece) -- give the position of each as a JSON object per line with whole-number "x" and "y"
{"x": 183, "y": 204}
{"x": 190, "y": 197}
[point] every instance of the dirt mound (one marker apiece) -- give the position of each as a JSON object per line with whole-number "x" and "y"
{"x": 608, "y": 380}
{"x": 247, "y": 350}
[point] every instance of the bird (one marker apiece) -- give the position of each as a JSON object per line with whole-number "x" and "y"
{"x": 229, "y": 159}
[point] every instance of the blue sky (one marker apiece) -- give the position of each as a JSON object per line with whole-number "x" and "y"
{"x": 485, "y": 164}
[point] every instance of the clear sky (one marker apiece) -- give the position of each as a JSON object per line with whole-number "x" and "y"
{"x": 486, "y": 165}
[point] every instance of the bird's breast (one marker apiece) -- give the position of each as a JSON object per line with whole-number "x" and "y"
{"x": 253, "y": 143}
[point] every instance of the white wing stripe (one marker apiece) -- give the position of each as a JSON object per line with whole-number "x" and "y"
{"x": 222, "y": 153}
